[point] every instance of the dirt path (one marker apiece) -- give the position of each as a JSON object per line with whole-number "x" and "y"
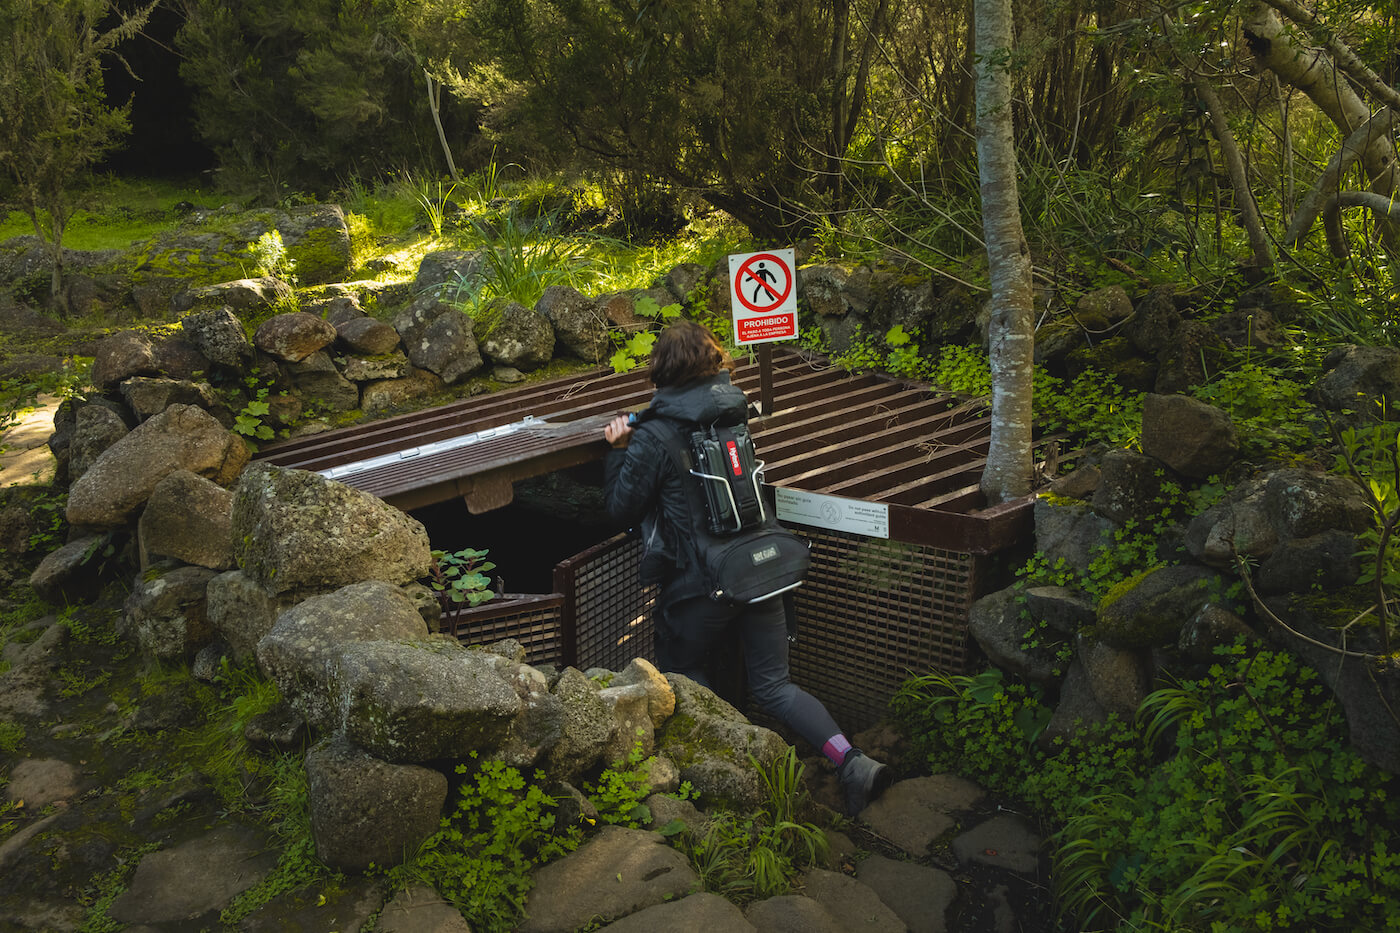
{"x": 25, "y": 459}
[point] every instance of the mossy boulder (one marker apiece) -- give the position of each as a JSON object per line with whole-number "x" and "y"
{"x": 298, "y": 530}
{"x": 317, "y": 241}
{"x": 711, "y": 742}
{"x": 416, "y": 701}
{"x": 1148, "y": 610}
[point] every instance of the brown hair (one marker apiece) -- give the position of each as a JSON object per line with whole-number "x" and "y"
{"x": 685, "y": 352}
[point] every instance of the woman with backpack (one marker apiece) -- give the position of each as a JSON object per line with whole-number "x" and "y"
{"x": 645, "y": 488}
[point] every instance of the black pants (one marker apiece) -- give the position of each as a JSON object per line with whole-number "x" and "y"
{"x": 692, "y": 640}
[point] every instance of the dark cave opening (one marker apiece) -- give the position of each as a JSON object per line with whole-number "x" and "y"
{"x": 552, "y": 518}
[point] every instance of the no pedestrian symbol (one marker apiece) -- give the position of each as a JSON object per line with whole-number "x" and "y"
{"x": 763, "y": 296}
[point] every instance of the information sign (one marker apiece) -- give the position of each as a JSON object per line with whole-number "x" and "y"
{"x": 763, "y": 296}
{"x": 871, "y": 519}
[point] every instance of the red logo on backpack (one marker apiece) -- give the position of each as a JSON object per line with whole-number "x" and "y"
{"x": 734, "y": 463}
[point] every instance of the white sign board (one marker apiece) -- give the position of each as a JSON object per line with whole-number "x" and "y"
{"x": 871, "y": 519}
{"x": 763, "y": 296}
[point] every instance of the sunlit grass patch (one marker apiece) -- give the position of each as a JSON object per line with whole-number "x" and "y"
{"x": 118, "y": 212}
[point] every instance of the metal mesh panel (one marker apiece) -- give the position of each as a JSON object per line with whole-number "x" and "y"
{"x": 534, "y": 621}
{"x": 873, "y": 611}
{"x": 610, "y": 609}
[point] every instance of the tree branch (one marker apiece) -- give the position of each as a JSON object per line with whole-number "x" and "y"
{"x": 1342, "y": 54}
{"x": 1352, "y": 149}
{"x": 1386, "y": 208}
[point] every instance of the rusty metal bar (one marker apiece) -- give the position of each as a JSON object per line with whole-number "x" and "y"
{"x": 839, "y": 461}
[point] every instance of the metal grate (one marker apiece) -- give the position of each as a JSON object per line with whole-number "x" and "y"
{"x": 534, "y": 621}
{"x": 871, "y": 613}
{"x": 608, "y": 609}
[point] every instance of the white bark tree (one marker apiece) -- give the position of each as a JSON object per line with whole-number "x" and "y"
{"x": 1011, "y": 336}
{"x": 1322, "y": 74}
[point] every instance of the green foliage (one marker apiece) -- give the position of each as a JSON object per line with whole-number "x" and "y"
{"x": 46, "y": 511}
{"x": 1092, "y": 407}
{"x": 434, "y": 198}
{"x": 620, "y": 790}
{"x": 114, "y": 212}
{"x": 17, "y": 397}
{"x": 904, "y": 357}
{"x": 522, "y": 258}
{"x": 750, "y": 858}
{"x": 219, "y": 749}
{"x": 269, "y": 256}
{"x": 460, "y": 577}
{"x": 1232, "y": 803}
{"x": 289, "y": 812}
{"x": 730, "y": 114}
{"x": 1271, "y": 413}
{"x": 292, "y": 98}
{"x": 1370, "y": 457}
{"x": 862, "y": 355}
{"x": 77, "y": 678}
{"x": 633, "y": 349}
{"x": 249, "y": 421}
{"x": 1126, "y": 551}
{"x": 1131, "y": 548}
{"x": 977, "y": 726}
{"x": 962, "y": 370}
{"x": 1355, "y": 306}
{"x": 54, "y": 118}
{"x": 88, "y": 626}
{"x": 107, "y": 887}
{"x": 1260, "y": 818}
{"x": 12, "y": 736}
{"x": 480, "y": 860}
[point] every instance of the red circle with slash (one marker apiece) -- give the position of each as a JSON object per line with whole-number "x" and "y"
{"x": 744, "y": 272}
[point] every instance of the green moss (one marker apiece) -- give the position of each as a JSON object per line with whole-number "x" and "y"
{"x": 320, "y": 254}
{"x": 12, "y": 736}
{"x": 1339, "y": 609}
{"x": 219, "y": 260}
{"x": 1050, "y": 498}
{"x": 1125, "y": 586}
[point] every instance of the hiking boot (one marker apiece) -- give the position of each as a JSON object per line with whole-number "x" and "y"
{"x": 863, "y": 779}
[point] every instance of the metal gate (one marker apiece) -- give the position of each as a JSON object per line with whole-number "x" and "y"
{"x": 871, "y": 613}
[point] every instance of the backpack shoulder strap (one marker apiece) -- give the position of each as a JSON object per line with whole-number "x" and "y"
{"x": 670, "y": 435}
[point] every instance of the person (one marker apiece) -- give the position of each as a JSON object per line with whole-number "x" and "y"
{"x": 643, "y": 489}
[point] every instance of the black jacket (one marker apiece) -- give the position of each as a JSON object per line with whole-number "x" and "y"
{"x": 642, "y": 486}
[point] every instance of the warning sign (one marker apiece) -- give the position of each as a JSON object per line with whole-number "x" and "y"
{"x": 763, "y": 296}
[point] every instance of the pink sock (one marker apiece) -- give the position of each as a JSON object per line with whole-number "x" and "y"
{"x": 836, "y": 748}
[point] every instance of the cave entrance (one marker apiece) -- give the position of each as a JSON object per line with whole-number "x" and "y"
{"x": 550, "y": 518}
{"x": 880, "y": 475}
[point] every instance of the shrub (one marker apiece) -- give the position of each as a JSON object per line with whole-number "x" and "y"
{"x": 1232, "y": 803}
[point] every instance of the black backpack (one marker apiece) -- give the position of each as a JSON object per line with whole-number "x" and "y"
{"x": 745, "y": 556}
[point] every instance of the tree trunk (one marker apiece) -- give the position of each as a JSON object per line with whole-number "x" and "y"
{"x": 836, "y": 68}
{"x": 1378, "y": 127}
{"x": 52, "y": 205}
{"x": 1312, "y": 72}
{"x": 1383, "y": 207}
{"x": 1011, "y": 340}
{"x": 434, "y": 101}
{"x": 1234, "y": 165}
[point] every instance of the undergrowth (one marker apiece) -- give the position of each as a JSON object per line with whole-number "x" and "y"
{"x": 1232, "y": 802}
